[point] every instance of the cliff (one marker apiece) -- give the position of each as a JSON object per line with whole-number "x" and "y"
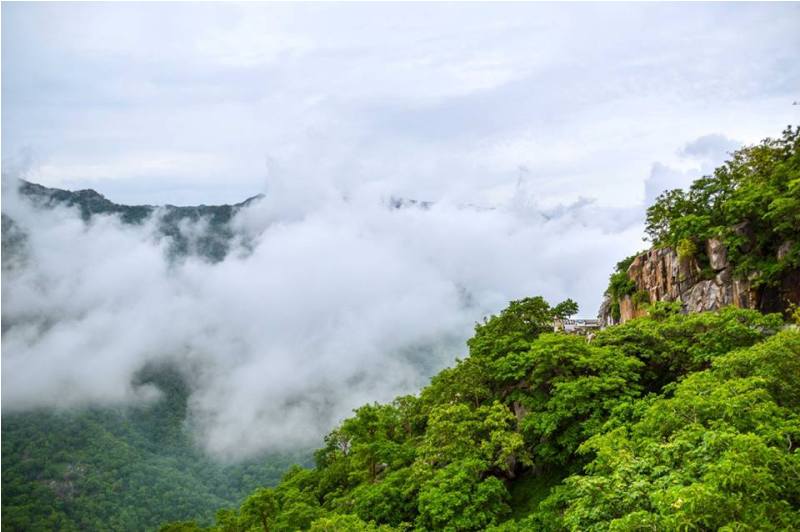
{"x": 706, "y": 281}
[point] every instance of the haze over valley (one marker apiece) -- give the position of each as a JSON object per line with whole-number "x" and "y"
{"x": 288, "y": 266}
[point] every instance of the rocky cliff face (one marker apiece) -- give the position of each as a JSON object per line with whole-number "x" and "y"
{"x": 660, "y": 274}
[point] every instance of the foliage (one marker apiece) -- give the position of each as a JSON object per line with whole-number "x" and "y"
{"x": 620, "y": 285}
{"x": 669, "y": 421}
{"x": 672, "y": 345}
{"x": 719, "y": 453}
{"x": 459, "y": 497}
{"x": 565, "y": 387}
{"x": 687, "y": 248}
{"x": 752, "y": 202}
{"x": 516, "y": 326}
{"x": 259, "y": 510}
{"x": 565, "y": 309}
{"x": 130, "y": 469}
{"x": 347, "y": 523}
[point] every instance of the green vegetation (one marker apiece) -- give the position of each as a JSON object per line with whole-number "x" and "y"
{"x": 620, "y": 285}
{"x": 667, "y": 422}
{"x": 130, "y": 469}
{"x": 752, "y": 202}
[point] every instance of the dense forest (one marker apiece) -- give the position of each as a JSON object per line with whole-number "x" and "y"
{"x": 667, "y": 422}
{"x": 671, "y": 421}
{"x": 119, "y": 469}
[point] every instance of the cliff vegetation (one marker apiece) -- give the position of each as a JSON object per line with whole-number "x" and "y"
{"x": 732, "y": 238}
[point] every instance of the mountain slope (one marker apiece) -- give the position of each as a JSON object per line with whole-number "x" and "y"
{"x": 119, "y": 469}
{"x": 673, "y": 420}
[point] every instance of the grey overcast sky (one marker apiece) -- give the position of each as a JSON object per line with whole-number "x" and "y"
{"x": 209, "y": 103}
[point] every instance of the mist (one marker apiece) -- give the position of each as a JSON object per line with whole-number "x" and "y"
{"x": 336, "y": 300}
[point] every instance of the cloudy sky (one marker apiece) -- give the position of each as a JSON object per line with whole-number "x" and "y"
{"x": 538, "y": 131}
{"x": 207, "y": 103}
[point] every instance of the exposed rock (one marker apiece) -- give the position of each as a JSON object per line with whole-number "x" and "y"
{"x": 717, "y": 254}
{"x": 745, "y": 230}
{"x": 664, "y": 276}
{"x": 724, "y": 276}
{"x": 784, "y": 250}
{"x": 604, "y": 314}
{"x": 667, "y": 277}
{"x": 705, "y": 295}
{"x": 742, "y": 293}
{"x": 628, "y": 310}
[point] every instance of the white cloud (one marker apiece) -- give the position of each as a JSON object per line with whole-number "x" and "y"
{"x": 331, "y": 109}
{"x": 430, "y": 97}
{"x": 695, "y": 159}
{"x": 341, "y": 302}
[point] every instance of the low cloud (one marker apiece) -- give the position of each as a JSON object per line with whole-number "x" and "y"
{"x": 334, "y": 302}
{"x": 694, "y": 160}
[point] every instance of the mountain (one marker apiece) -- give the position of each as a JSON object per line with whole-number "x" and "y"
{"x": 122, "y": 468}
{"x": 683, "y": 413}
{"x": 213, "y": 243}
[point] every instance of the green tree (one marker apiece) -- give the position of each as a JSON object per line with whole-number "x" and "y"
{"x": 751, "y": 202}
{"x": 565, "y": 309}
{"x": 565, "y": 388}
{"x": 486, "y": 435}
{"x": 515, "y": 327}
{"x": 346, "y": 523}
{"x": 672, "y": 344}
{"x": 716, "y": 454}
{"x": 260, "y": 509}
{"x": 458, "y": 497}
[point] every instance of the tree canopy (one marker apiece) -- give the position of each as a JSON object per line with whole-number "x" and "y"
{"x": 751, "y": 202}
{"x": 669, "y": 421}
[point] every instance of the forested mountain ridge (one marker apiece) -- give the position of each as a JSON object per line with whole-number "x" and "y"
{"x": 213, "y": 243}
{"x": 665, "y": 422}
{"x": 121, "y": 468}
{"x": 673, "y": 420}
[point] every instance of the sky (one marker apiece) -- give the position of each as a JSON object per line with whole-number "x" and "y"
{"x": 207, "y": 103}
{"x": 539, "y": 132}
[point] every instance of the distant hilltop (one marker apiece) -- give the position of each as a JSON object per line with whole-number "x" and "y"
{"x": 212, "y": 243}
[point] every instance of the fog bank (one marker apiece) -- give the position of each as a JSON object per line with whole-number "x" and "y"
{"x": 337, "y": 300}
